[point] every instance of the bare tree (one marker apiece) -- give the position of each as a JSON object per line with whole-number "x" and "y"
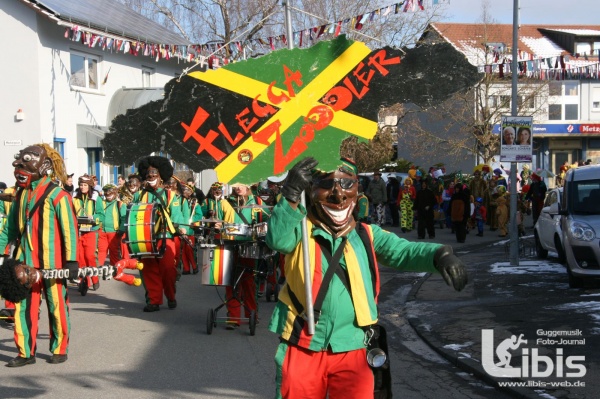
{"x": 464, "y": 124}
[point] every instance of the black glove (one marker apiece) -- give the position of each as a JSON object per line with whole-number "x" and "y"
{"x": 298, "y": 179}
{"x": 73, "y": 268}
{"x": 450, "y": 267}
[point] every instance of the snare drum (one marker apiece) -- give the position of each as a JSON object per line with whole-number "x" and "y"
{"x": 237, "y": 229}
{"x": 85, "y": 224}
{"x": 260, "y": 229}
{"x": 254, "y": 250}
{"x": 219, "y": 268}
{"x": 144, "y": 230}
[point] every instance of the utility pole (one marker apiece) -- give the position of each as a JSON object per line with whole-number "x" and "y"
{"x": 514, "y": 232}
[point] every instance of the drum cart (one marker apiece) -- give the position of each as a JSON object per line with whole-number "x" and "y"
{"x": 219, "y": 260}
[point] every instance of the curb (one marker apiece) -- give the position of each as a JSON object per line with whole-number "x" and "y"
{"x": 464, "y": 363}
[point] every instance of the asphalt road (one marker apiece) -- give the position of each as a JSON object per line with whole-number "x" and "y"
{"x": 116, "y": 350}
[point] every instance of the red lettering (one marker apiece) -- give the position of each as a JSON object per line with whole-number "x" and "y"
{"x": 281, "y": 160}
{"x": 352, "y": 88}
{"x": 204, "y": 143}
{"x": 245, "y": 123}
{"x": 264, "y": 135}
{"x": 361, "y": 75}
{"x": 320, "y": 116}
{"x": 239, "y": 136}
{"x": 291, "y": 77}
{"x": 261, "y": 112}
{"x": 276, "y": 99}
{"x": 378, "y": 60}
{"x": 338, "y": 98}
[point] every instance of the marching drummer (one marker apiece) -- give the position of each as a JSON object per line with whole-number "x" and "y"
{"x": 189, "y": 204}
{"x": 111, "y": 238}
{"x": 248, "y": 211}
{"x": 160, "y": 274}
{"x": 90, "y": 213}
{"x": 214, "y": 206}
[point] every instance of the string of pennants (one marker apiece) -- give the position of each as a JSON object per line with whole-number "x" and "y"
{"x": 564, "y": 67}
{"x": 216, "y": 54}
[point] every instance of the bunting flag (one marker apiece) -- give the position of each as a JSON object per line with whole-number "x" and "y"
{"x": 235, "y": 51}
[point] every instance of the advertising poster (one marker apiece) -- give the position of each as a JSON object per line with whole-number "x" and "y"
{"x": 516, "y": 139}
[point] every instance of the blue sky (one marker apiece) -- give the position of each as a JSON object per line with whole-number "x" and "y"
{"x": 584, "y": 12}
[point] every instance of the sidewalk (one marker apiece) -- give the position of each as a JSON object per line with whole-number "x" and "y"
{"x": 528, "y": 299}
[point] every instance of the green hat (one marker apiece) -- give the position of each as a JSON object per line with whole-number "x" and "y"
{"x": 346, "y": 165}
{"x": 108, "y": 187}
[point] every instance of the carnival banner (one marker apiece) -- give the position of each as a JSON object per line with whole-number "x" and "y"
{"x": 256, "y": 118}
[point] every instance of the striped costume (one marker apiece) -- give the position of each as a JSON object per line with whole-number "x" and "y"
{"x": 85, "y": 206}
{"x": 47, "y": 240}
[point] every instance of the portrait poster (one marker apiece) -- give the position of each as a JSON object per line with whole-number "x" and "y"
{"x": 516, "y": 138}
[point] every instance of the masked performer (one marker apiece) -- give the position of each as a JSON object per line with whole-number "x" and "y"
{"x": 86, "y": 207}
{"x": 333, "y": 361}
{"x": 111, "y": 237}
{"x": 160, "y": 274}
{"x": 43, "y": 224}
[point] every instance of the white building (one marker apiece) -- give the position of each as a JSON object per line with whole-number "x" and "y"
{"x": 69, "y": 68}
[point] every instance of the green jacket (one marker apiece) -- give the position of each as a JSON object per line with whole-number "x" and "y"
{"x": 343, "y": 314}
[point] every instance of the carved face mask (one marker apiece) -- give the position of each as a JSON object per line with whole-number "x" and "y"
{"x": 26, "y": 275}
{"x": 334, "y": 198}
{"x": 30, "y": 165}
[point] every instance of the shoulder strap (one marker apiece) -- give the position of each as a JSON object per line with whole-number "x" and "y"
{"x": 334, "y": 266}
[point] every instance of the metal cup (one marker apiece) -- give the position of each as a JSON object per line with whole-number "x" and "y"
{"x": 376, "y": 357}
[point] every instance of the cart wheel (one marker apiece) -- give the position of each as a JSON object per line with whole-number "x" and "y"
{"x": 276, "y": 292}
{"x": 252, "y": 322}
{"x": 210, "y": 321}
{"x": 269, "y": 292}
{"x": 83, "y": 286}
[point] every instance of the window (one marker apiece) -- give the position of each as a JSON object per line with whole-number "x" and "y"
{"x": 147, "y": 74}
{"x": 583, "y": 48}
{"x": 492, "y": 101}
{"x": 504, "y": 102}
{"x": 595, "y": 98}
{"x": 84, "y": 71}
{"x": 571, "y": 112}
{"x": 526, "y": 102}
{"x": 59, "y": 146}
{"x": 555, "y": 112}
{"x": 571, "y": 88}
{"x": 555, "y": 89}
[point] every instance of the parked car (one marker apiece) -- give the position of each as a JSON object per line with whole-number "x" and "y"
{"x": 580, "y": 223}
{"x": 547, "y": 230}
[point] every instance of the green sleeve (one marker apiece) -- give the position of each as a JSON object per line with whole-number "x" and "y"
{"x": 402, "y": 254}
{"x": 285, "y": 227}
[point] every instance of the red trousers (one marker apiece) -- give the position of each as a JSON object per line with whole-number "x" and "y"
{"x": 87, "y": 251}
{"x": 245, "y": 292}
{"x": 159, "y": 275}
{"x": 111, "y": 244}
{"x": 27, "y": 314}
{"x": 187, "y": 256}
{"x": 305, "y": 374}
